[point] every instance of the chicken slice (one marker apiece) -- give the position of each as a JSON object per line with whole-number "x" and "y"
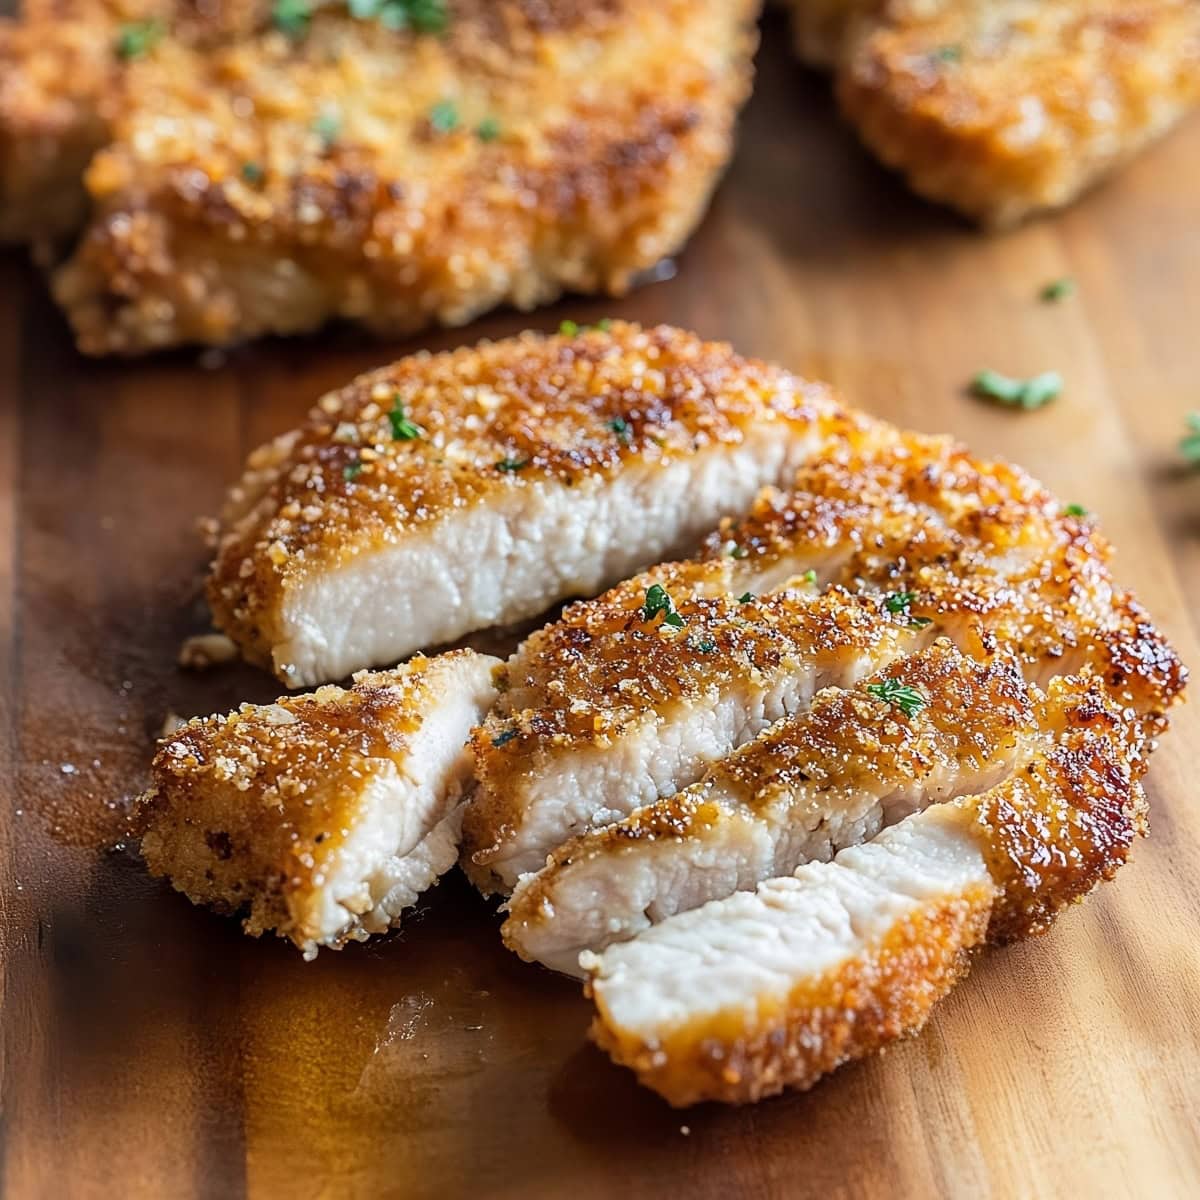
{"x": 968, "y": 545}
{"x": 1006, "y": 108}
{"x": 774, "y": 988}
{"x": 614, "y": 706}
{"x": 321, "y": 816}
{"x": 445, "y": 494}
{"x": 500, "y": 152}
{"x": 925, "y": 729}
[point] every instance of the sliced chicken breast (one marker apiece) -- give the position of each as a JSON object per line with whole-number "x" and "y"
{"x": 322, "y": 816}
{"x": 1007, "y": 108}
{"x": 925, "y": 729}
{"x": 774, "y": 988}
{"x": 965, "y": 544}
{"x": 631, "y": 696}
{"x": 448, "y": 493}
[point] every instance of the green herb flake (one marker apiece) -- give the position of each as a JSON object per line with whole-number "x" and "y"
{"x": 352, "y": 471}
{"x": 292, "y": 16}
{"x": 443, "y": 116}
{"x": 403, "y": 430}
{"x": 328, "y": 126}
{"x": 909, "y": 700}
{"x": 138, "y": 38}
{"x": 1189, "y": 444}
{"x": 747, "y": 598}
{"x": 1056, "y": 290}
{"x": 488, "y": 130}
{"x": 735, "y": 551}
{"x": 899, "y": 602}
{"x": 809, "y": 576}
{"x": 252, "y": 172}
{"x": 604, "y": 324}
{"x": 657, "y": 601}
{"x": 948, "y": 54}
{"x": 422, "y": 16}
{"x": 502, "y": 739}
{"x": 706, "y": 646}
{"x": 512, "y": 464}
{"x": 1075, "y": 510}
{"x": 919, "y": 622}
{"x": 568, "y": 328}
{"x": 1026, "y": 394}
{"x": 622, "y": 429}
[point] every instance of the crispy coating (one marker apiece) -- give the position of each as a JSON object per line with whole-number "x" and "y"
{"x": 253, "y": 812}
{"x": 61, "y": 79}
{"x": 520, "y": 414}
{"x": 1007, "y": 108}
{"x": 1048, "y": 836}
{"x": 400, "y": 178}
{"x": 964, "y": 541}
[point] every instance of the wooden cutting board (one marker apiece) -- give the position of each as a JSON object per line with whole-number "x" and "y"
{"x": 152, "y": 1050}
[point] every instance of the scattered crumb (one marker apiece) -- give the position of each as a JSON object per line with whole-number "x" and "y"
{"x": 68, "y": 769}
{"x": 685, "y": 1130}
{"x": 206, "y": 650}
{"x": 171, "y": 722}
{"x": 209, "y": 529}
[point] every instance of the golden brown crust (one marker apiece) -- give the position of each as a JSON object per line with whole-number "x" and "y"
{"x": 608, "y": 122}
{"x": 864, "y": 1005}
{"x": 249, "y": 810}
{"x": 494, "y": 419}
{"x": 971, "y": 541}
{"x": 1003, "y": 108}
{"x": 1049, "y": 835}
{"x": 60, "y": 81}
{"x": 603, "y": 670}
{"x": 850, "y": 741}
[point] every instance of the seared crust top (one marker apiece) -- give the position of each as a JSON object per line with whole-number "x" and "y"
{"x": 406, "y": 445}
{"x": 964, "y": 538}
{"x": 278, "y": 786}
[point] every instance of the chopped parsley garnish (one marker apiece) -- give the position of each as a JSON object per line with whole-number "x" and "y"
{"x": 621, "y": 428}
{"x": 403, "y": 430}
{"x": 746, "y": 597}
{"x": 1075, "y": 510}
{"x": 512, "y": 464}
{"x": 292, "y": 16}
{"x": 488, "y": 130}
{"x": 352, "y": 470}
{"x": 909, "y": 700}
{"x": 443, "y": 116}
{"x": 1189, "y": 445}
{"x": 899, "y": 602}
{"x": 568, "y": 328}
{"x": 735, "y": 551}
{"x": 809, "y": 576}
{"x": 138, "y": 38}
{"x": 657, "y": 601}
{"x": 706, "y": 646}
{"x": 571, "y": 328}
{"x": 328, "y": 126}
{"x": 1026, "y": 394}
{"x": 604, "y": 324}
{"x": 502, "y": 739}
{"x": 423, "y": 16}
{"x": 1058, "y": 289}
{"x": 252, "y": 172}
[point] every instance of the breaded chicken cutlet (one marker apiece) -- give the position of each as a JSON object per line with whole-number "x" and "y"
{"x": 1006, "y": 108}
{"x": 773, "y": 988}
{"x": 344, "y": 169}
{"x": 448, "y": 493}
{"x": 62, "y": 66}
{"x": 320, "y": 817}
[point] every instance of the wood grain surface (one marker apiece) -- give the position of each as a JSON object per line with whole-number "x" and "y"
{"x": 150, "y": 1049}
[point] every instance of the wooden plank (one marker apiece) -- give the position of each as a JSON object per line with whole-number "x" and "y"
{"x": 152, "y": 1050}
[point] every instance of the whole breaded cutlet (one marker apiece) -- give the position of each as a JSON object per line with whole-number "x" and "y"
{"x": 397, "y": 178}
{"x": 1006, "y": 108}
